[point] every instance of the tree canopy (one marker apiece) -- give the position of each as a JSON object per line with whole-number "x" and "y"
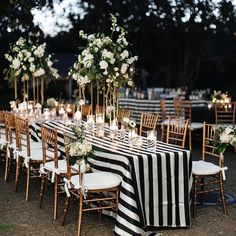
{"x": 179, "y": 42}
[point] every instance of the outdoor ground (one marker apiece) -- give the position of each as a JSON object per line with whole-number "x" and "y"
{"x": 20, "y": 218}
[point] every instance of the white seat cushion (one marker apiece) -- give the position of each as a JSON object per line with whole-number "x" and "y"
{"x": 35, "y": 145}
{"x": 196, "y": 125}
{"x": 165, "y": 122}
{"x": 205, "y": 168}
{"x": 37, "y": 154}
{"x": 62, "y": 168}
{"x": 3, "y": 140}
{"x": 98, "y": 180}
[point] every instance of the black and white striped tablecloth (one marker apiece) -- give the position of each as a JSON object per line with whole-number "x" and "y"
{"x": 153, "y": 106}
{"x": 155, "y": 189}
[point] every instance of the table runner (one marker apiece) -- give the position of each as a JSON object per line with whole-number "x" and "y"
{"x": 155, "y": 188}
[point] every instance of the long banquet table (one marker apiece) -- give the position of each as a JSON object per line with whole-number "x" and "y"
{"x": 154, "y": 106}
{"x": 155, "y": 188}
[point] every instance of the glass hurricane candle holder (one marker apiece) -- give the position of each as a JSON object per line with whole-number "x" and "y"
{"x": 113, "y": 130}
{"x": 90, "y": 123}
{"x": 151, "y": 140}
{"x": 100, "y": 125}
{"x": 122, "y": 133}
{"x": 77, "y": 117}
{"x": 131, "y": 137}
{"x": 46, "y": 113}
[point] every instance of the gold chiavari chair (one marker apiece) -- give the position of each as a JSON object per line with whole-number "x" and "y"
{"x": 225, "y": 113}
{"x": 99, "y": 109}
{"x": 102, "y": 190}
{"x": 208, "y": 177}
{"x": 184, "y": 109}
{"x": 52, "y": 168}
{"x": 28, "y": 154}
{"x": 147, "y": 122}
{"x": 70, "y": 109}
{"x": 177, "y": 131}
{"x": 3, "y": 138}
{"x": 11, "y": 138}
{"x": 86, "y": 110}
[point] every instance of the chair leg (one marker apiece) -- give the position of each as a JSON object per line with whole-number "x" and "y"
{"x": 202, "y": 190}
{"x": 42, "y": 188}
{"x": 7, "y": 167}
{"x": 18, "y": 163}
{"x": 65, "y": 210}
{"x": 190, "y": 139}
{"x": 222, "y": 195}
{"x": 162, "y": 132}
{"x": 55, "y": 197}
{"x": 100, "y": 211}
{"x": 27, "y": 184}
{"x": 80, "y": 213}
{"x": 194, "y": 196}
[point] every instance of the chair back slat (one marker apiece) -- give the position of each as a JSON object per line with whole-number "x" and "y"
{"x": 147, "y": 122}
{"x": 10, "y": 127}
{"x": 176, "y": 131}
{"x": 225, "y": 113}
{"x": 86, "y": 110}
{"x": 208, "y": 149}
{"x": 22, "y": 134}
{"x": 49, "y": 144}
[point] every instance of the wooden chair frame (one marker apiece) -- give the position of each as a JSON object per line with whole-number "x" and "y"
{"x": 50, "y": 142}
{"x": 24, "y": 142}
{"x": 177, "y": 131}
{"x": 213, "y": 182}
{"x": 225, "y": 113}
{"x": 147, "y": 122}
{"x": 109, "y": 197}
{"x": 10, "y": 128}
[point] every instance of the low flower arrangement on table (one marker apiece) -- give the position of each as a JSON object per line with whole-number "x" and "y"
{"x": 80, "y": 149}
{"x": 128, "y": 123}
{"x": 220, "y": 97}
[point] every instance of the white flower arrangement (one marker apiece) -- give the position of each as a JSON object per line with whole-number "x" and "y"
{"x": 80, "y": 149}
{"x": 52, "y": 103}
{"x": 128, "y": 123}
{"x": 105, "y": 59}
{"x": 28, "y": 60}
{"x": 219, "y": 97}
{"x": 223, "y": 137}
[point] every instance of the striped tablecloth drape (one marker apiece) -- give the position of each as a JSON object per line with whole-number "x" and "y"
{"x": 153, "y": 106}
{"x": 155, "y": 188}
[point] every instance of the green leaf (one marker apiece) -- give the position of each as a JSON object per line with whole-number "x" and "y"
{"x": 221, "y": 148}
{"x": 73, "y": 160}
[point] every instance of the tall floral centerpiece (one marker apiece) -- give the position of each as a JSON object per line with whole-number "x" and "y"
{"x": 105, "y": 63}
{"x": 28, "y": 62}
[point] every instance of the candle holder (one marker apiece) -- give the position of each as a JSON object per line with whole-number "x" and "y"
{"x": 122, "y": 133}
{"x": 100, "y": 125}
{"x": 46, "y": 113}
{"x": 151, "y": 140}
{"x": 90, "y": 123}
{"x": 131, "y": 137}
{"x": 113, "y": 130}
{"x": 77, "y": 117}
